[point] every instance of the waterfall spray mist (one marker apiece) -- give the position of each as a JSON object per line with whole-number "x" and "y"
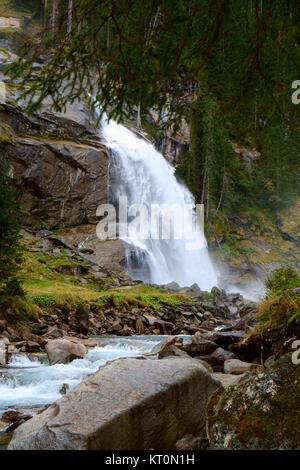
{"x": 140, "y": 173}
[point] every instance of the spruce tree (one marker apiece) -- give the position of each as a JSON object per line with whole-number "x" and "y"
{"x": 10, "y": 246}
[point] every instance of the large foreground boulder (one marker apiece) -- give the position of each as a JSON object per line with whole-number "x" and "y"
{"x": 128, "y": 404}
{"x": 260, "y": 412}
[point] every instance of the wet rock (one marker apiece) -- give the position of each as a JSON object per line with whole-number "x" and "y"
{"x": 222, "y": 355}
{"x": 188, "y": 315}
{"x": 64, "y": 388}
{"x": 83, "y": 315}
{"x": 54, "y": 332}
{"x": 259, "y": 412}
{"x": 205, "y": 364}
{"x": 62, "y": 351}
{"x": 172, "y": 351}
{"x": 246, "y": 309}
{"x": 236, "y": 367}
{"x": 32, "y": 346}
{"x": 224, "y": 338}
{"x": 3, "y": 350}
{"x": 165, "y": 344}
{"x": 139, "y": 326}
{"x": 39, "y": 328}
{"x": 199, "y": 346}
{"x": 249, "y": 348}
{"x": 5, "y": 378}
{"x": 125, "y": 405}
{"x": 247, "y": 320}
{"x": 88, "y": 343}
{"x": 115, "y": 327}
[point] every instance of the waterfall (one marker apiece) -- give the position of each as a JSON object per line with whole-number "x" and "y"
{"x": 139, "y": 172}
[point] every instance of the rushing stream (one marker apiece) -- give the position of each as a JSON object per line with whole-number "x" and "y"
{"x": 34, "y": 383}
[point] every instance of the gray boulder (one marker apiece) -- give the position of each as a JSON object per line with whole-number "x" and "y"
{"x": 3, "y": 350}
{"x": 63, "y": 351}
{"x": 128, "y": 404}
{"x": 224, "y": 338}
{"x": 236, "y": 367}
{"x": 199, "y": 346}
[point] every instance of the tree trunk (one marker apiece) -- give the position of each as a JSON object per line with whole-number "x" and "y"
{"x": 70, "y": 16}
{"x": 54, "y": 13}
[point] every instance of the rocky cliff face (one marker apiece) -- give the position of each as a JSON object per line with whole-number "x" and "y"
{"x": 58, "y": 167}
{"x": 58, "y": 164}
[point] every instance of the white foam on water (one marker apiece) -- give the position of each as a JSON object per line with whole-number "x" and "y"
{"x": 34, "y": 383}
{"x": 143, "y": 175}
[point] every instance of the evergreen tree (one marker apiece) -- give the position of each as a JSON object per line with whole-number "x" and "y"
{"x": 10, "y": 246}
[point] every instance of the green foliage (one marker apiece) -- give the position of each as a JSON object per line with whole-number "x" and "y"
{"x": 10, "y": 246}
{"x": 280, "y": 311}
{"x": 270, "y": 421}
{"x": 43, "y": 300}
{"x": 208, "y": 166}
{"x": 282, "y": 279}
{"x": 141, "y": 296}
{"x": 227, "y": 67}
{"x": 13, "y": 288}
{"x": 19, "y": 310}
{"x": 150, "y": 52}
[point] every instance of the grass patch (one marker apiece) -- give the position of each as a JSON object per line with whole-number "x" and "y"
{"x": 141, "y": 295}
{"x": 47, "y": 288}
{"x": 48, "y": 294}
{"x": 58, "y": 288}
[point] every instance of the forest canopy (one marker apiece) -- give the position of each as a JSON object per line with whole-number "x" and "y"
{"x": 226, "y": 66}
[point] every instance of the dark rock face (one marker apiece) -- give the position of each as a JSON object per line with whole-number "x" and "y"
{"x": 61, "y": 183}
{"x": 260, "y": 412}
{"x": 57, "y": 164}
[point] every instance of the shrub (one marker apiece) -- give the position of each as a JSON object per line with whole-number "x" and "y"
{"x": 281, "y": 313}
{"x": 282, "y": 279}
{"x": 43, "y": 300}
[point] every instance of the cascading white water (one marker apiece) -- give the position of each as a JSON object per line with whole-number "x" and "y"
{"x": 144, "y": 176}
{"x": 28, "y": 383}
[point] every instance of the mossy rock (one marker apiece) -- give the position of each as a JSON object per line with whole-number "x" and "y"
{"x": 260, "y": 412}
